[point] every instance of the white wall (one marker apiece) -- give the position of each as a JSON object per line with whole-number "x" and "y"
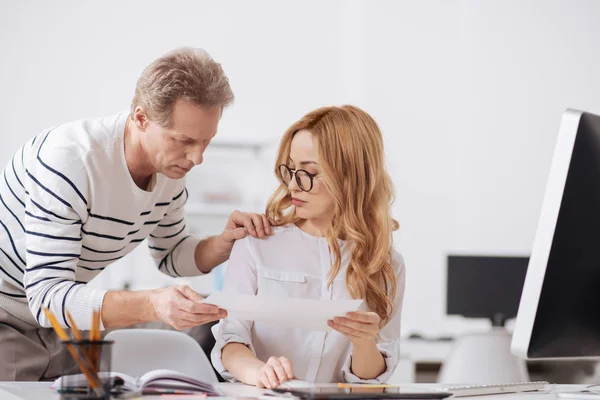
{"x": 468, "y": 94}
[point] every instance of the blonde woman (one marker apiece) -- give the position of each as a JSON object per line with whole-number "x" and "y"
{"x": 332, "y": 240}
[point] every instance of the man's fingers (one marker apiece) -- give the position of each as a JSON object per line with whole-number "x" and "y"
{"x": 181, "y": 323}
{"x": 196, "y": 303}
{"x": 189, "y": 321}
{"x": 266, "y": 224}
{"x": 205, "y": 309}
{"x": 257, "y": 225}
{"x": 198, "y": 314}
{"x": 192, "y": 307}
{"x": 239, "y": 233}
{"x": 195, "y": 312}
{"x": 257, "y": 221}
{"x": 242, "y": 219}
{"x": 231, "y": 235}
{"x": 190, "y": 293}
{"x": 204, "y": 320}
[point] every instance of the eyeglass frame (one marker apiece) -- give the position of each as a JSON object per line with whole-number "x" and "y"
{"x": 294, "y": 172}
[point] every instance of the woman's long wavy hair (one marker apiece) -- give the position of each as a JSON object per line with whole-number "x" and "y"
{"x": 350, "y": 148}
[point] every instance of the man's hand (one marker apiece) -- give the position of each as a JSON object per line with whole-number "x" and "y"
{"x": 276, "y": 371}
{"x": 181, "y": 307}
{"x": 241, "y": 224}
{"x": 215, "y": 250}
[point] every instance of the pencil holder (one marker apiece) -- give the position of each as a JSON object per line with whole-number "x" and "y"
{"x": 86, "y": 370}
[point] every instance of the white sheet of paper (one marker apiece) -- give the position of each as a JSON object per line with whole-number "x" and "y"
{"x": 293, "y": 313}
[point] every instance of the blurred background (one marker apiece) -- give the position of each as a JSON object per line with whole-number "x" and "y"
{"x": 468, "y": 95}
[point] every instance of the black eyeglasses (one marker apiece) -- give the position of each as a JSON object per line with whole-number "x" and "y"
{"x": 304, "y": 179}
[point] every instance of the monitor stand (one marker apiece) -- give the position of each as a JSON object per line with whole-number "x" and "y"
{"x": 498, "y": 320}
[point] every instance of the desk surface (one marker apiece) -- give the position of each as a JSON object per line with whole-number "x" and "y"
{"x": 42, "y": 391}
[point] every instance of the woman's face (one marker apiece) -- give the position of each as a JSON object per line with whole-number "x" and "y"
{"x": 317, "y": 204}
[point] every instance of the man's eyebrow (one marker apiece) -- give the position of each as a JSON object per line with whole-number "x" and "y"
{"x": 182, "y": 136}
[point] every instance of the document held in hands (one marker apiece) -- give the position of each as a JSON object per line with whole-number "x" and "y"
{"x": 308, "y": 314}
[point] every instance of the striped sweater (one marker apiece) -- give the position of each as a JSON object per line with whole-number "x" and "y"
{"x": 69, "y": 208}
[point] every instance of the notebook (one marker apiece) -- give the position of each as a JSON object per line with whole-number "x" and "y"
{"x": 154, "y": 381}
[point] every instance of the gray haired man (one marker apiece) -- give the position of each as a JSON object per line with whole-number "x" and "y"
{"x": 84, "y": 194}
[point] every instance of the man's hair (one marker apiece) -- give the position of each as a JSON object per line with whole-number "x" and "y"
{"x": 185, "y": 73}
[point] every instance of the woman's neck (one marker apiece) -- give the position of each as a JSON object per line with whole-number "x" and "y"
{"x": 314, "y": 227}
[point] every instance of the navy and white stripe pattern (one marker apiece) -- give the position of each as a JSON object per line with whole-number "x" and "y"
{"x": 68, "y": 209}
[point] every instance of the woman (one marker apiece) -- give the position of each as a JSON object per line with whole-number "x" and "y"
{"x": 332, "y": 240}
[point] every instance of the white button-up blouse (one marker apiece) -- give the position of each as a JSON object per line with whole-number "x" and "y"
{"x": 293, "y": 263}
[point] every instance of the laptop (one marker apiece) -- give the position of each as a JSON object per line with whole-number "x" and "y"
{"x": 357, "y": 392}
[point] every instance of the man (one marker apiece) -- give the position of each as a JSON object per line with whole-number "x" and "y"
{"x": 84, "y": 194}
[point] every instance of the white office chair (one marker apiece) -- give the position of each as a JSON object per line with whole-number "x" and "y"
{"x": 137, "y": 351}
{"x": 483, "y": 358}
{"x": 404, "y": 372}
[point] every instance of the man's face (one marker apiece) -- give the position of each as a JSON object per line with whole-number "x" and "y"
{"x": 176, "y": 150}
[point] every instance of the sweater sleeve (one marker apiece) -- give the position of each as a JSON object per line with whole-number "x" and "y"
{"x": 56, "y": 185}
{"x": 171, "y": 245}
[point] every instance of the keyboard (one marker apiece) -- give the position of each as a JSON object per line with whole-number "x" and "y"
{"x": 478, "y": 390}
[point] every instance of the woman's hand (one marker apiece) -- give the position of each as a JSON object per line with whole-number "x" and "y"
{"x": 358, "y": 326}
{"x": 276, "y": 371}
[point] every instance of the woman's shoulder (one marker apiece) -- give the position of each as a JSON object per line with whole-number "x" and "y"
{"x": 284, "y": 229}
{"x": 279, "y": 234}
{"x": 284, "y": 241}
{"x": 398, "y": 262}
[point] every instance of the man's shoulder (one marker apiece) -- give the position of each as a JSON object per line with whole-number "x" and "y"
{"x": 80, "y": 136}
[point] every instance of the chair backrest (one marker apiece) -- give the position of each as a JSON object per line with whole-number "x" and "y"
{"x": 483, "y": 358}
{"x": 404, "y": 372}
{"x": 137, "y": 351}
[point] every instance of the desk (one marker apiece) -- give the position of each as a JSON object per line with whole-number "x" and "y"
{"x": 426, "y": 357}
{"x": 42, "y": 391}
{"x": 425, "y": 351}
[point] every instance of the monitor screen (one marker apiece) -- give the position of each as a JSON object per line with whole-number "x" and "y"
{"x": 559, "y": 314}
{"x": 485, "y": 286}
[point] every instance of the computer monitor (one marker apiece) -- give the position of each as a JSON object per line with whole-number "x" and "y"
{"x": 485, "y": 286}
{"x": 559, "y": 312}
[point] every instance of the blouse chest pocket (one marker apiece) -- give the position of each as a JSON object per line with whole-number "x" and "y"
{"x": 278, "y": 283}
